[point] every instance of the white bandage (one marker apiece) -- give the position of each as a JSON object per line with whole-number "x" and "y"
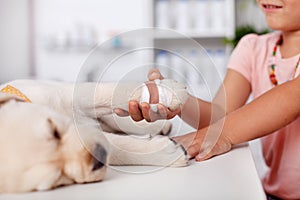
{"x": 164, "y": 95}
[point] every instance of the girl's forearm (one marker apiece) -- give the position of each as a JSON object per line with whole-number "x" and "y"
{"x": 232, "y": 94}
{"x": 190, "y": 111}
{"x": 199, "y": 113}
{"x": 268, "y": 113}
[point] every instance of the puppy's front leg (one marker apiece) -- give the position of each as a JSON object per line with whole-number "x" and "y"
{"x": 117, "y": 95}
{"x": 167, "y": 92}
{"x": 156, "y": 151}
{"x": 98, "y": 99}
{"x": 101, "y": 99}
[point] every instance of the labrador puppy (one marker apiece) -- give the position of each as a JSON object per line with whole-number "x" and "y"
{"x": 67, "y": 133}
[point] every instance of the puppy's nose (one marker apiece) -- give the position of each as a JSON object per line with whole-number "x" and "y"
{"x": 99, "y": 157}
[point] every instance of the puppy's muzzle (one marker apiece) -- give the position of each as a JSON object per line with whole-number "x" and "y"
{"x": 99, "y": 157}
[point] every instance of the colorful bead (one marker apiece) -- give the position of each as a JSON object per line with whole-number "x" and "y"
{"x": 273, "y": 66}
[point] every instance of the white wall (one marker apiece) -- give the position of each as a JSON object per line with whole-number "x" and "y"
{"x": 58, "y": 21}
{"x": 14, "y": 39}
{"x": 248, "y": 13}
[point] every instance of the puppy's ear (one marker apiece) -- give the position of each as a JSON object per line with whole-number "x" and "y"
{"x": 4, "y": 97}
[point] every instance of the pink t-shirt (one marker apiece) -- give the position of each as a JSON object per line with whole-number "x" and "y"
{"x": 281, "y": 150}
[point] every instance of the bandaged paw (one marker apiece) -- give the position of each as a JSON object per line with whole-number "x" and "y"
{"x": 170, "y": 94}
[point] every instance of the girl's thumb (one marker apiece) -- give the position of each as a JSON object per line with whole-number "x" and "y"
{"x": 154, "y": 74}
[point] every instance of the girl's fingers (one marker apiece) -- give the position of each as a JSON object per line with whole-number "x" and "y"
{"x": 172, "y": 114}
{"x": 145, "y": 107}
{"x": 143, "y": 111}
{"x": 135, "y": 111}
{"x": 162, "y": 111}
{"x": 193, "y": 150}
{"x": 218, "y": 149}
{"x": 185, "y": 140}
{"x": 204, "y": 156}
{"x": 165, "y": 113}
{"x": 151, "y": 116}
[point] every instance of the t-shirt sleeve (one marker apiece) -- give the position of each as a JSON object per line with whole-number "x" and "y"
{"x": 241, "y": 59}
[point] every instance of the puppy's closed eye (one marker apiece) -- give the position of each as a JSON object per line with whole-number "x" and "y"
{"x": 56, "y": 134}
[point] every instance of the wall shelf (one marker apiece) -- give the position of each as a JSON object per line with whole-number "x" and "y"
{"x": 202, "y": 62}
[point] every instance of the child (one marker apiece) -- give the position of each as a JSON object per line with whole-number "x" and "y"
{"x": 267, "y": 66}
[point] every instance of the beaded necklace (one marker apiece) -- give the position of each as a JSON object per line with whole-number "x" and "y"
{"x": 272, "y": 66}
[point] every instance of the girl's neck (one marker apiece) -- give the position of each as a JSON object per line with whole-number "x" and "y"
{"x": 291, "y": 44}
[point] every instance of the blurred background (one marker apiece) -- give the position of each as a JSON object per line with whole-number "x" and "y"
{"x": 51, "y": 39}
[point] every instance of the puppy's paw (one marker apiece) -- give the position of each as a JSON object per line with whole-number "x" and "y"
{"x": 158, "y": 150}
{"x": 171, "y": 153}
{"x": 167, "y": 92}
{"x": 177, "y": 93}
{"x": 183, "y": 159}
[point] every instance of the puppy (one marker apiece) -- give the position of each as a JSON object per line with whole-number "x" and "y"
{"x": 68, "y": 133}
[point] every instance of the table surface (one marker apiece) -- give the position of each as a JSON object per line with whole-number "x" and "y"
{"x": 229, "y": 176}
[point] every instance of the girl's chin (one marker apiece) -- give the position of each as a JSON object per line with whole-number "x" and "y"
{"x": 275, "y": 24}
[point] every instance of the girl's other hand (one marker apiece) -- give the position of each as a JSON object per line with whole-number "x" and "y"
{"x": 203, "y": 147}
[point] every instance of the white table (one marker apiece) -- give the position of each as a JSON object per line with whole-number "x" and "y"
{"x": 231, "y": 176}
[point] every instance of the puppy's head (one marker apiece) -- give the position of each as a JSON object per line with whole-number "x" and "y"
{"x": 41, "y": 149}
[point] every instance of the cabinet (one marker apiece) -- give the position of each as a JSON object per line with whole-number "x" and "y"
{"x": 195, "y": 53}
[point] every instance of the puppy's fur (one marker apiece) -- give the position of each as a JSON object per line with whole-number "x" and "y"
{"x": 65, "y": 135}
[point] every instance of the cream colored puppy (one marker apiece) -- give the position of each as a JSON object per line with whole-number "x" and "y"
{"x": 64, "y": 136}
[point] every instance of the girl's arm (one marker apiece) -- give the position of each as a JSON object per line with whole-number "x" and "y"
{"x": 233, "y": 93}
{"x": 273, "y": 110}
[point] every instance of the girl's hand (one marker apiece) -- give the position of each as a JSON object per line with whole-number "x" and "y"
{"x": 203, "y": 146}
{"x": 137, "y": 111}
{"x": 142, "y": 111}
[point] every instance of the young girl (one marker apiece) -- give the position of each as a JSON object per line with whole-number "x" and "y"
{"x": 267, "y": 66}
